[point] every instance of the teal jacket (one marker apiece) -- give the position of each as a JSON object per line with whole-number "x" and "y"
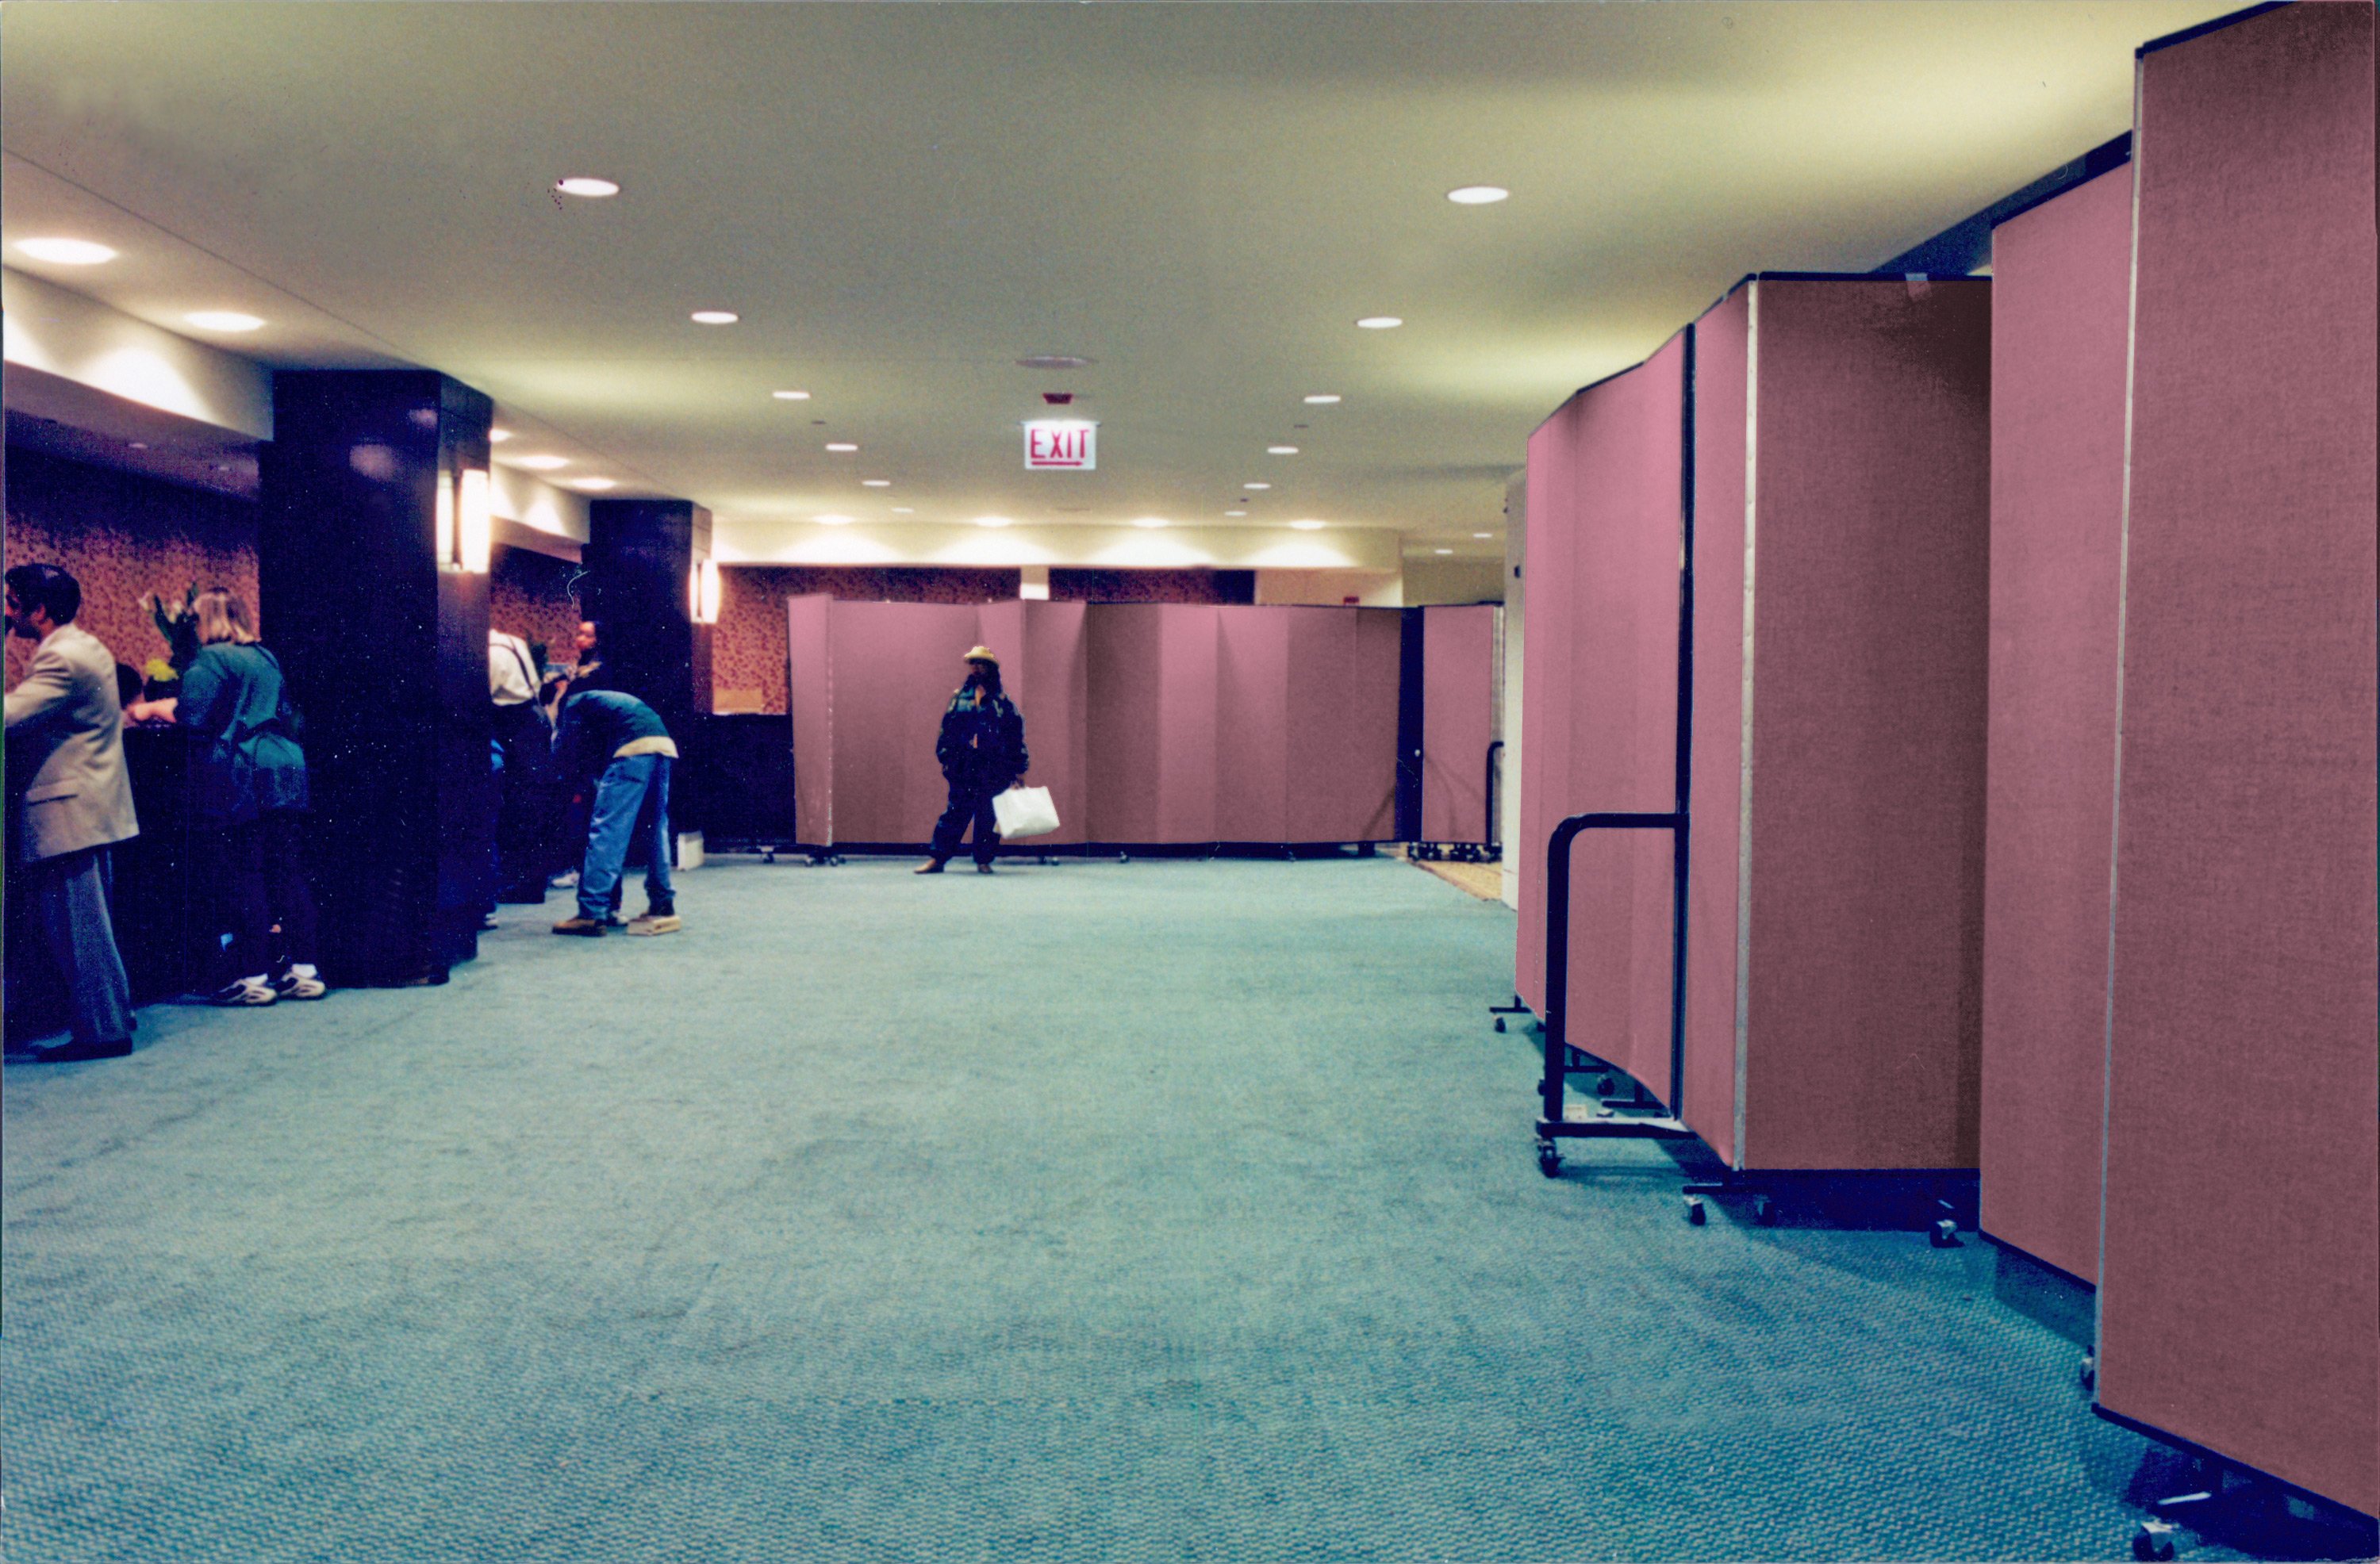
{"x": 233, "y": 694}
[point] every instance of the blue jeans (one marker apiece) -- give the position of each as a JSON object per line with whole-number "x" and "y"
{"x": 633, "y": 796}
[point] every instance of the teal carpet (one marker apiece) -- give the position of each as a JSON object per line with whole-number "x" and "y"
{"x": 1169, "y": 1210}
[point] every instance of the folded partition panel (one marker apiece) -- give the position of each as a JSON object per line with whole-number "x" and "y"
{"x": 808, "y": 699}
{"x": 2238, "y": 1301}
{"x": 1040, "y": 648}
{"x": 893, "y": 667}
{"x": 1548, "y": 545}
{"x": 2060, "y": 311}
{"x": 1341, "y": 738}
{"x": 1123, "y": 685}
{"x": 1186, "y": 747}
{"x": 1458, "y": 720}
{"x": 1252, "y": 695}
{"x": 1842, "y": 694}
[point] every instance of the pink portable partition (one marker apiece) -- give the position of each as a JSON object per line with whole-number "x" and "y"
{"x": 1858, "y": 727}
{"x": 2238, "y": 1299}
{"x": 1545, "y": 691}
{"x": 2060, "y": 286}
{"x": 1187, "y": 638}
{"x": 1253, "y": 687}
{"x": 1125, "y": 685}
{"x": 893, "y": 667}
{"x": 1458, "y": 706}
{"x": 807, "y": 700}
{"x": 1341, "y": 738}
{"x": 1043, "y": 668}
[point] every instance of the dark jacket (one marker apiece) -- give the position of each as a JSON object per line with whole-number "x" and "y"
{"x": 253, "y": 764}
{"x": 982, "y": 744}
{"x": 594, "y": 724}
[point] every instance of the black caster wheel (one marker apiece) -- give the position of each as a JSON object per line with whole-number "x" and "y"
{"x": 1548, "y": 1158}
{"x": 2153, "y": 1541}
{"x": 1603, "y": 1087}
{"x": 1764, "y": 1210}
{"x": 768, "y": 854}
{"x": 1696, "y": 1213}
{"x": 1943, "y": 1235}
{"x": 1500, "y": 1024}
{"x": 1123, "y": 858}
{"x": 2089, "y": 1373}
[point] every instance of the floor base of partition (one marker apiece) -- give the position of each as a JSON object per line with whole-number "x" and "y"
{"x": 2228, "y": 1504}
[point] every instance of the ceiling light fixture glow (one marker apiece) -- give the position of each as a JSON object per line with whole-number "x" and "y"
{"x": 832, "y": 520}
{"x": 993, "y": 521}
{"x": 1483, "y": 535}
{"x": 1382, "y": 322}
{"x": 222, "y": 321}
{"x": 596, "y": 484}
{"x": 541, "y": 463}
{"x": 905, "y": 510}
{"x": 1478, "y": 195}
{"x": 1280, "y": 450}
{"x": 586, "y": 187}
{"x": 1235, "y": 513}
{"x": 1441, "y": 550}
{"x": 1151, "y": 522}
{"x": 841, "y": 446}
{"x": 1308, "y": 525}
{"x": 498, "y": 435}
{"x": 66, "y": 253}
{"x": 1323, "y": 399}
{"x": 714, "y": 317}
{"x": 1256, "y": 485}
{"x": 876, "y": 483}
{"x": 791, "y": 395}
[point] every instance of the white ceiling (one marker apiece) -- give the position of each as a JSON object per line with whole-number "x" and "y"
{"x": 902, "y": 199}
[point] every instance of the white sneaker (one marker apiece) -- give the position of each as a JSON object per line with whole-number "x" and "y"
{"x": 296, "y": 984}
{"x": 243, "y": 991}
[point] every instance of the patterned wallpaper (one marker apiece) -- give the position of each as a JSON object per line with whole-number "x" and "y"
{"x": 1181, "y": 586}
{"x": 528, "y": 594}
{"x": 120, "y": 535}
{"x": 747, "y": 647}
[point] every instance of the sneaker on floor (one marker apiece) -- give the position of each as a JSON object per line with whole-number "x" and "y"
{"x": 585, "y": 928}
{"x": 568, "y": 879}
{"x": 656, "y": 920}
{"x": 243, "y": 991}
{"x": 296, "y": 984}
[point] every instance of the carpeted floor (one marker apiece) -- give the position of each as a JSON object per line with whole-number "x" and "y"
{"x": 1169, "y": 1210}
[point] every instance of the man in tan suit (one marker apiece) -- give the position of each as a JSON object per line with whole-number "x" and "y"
{"x": 66, "y": 735}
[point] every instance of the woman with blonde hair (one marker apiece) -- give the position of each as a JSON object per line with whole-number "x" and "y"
{"x": 248, "y": 801}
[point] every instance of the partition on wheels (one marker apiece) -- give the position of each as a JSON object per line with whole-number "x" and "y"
{"x": 2060, "y": 296}
{"x": 2237, "y": 1290}
{"x": 1459, "y": 723}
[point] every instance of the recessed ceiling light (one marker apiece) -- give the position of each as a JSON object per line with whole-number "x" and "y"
{"x": 714, "y": 317}
{"x": 222, "y": 321}
{"x": 1441, "y": 550}
{"x": 1324, "y": 399}
{"x": 905, "y": 510}
{"x": 1478, "y": 195}
{"x": 541, "y": 463}
{"x": 595, "y": 483}
{"x": 66, "y": 253}
{"x": 1307, "y": 526}
{"x": 498, "y": 435}
{"x": 1150, "y": 521}
{"x": 587, "y": 186}
{"x": 1054, "y": 362}
{"x": 1380, "y": 322}
{"x": 841, "y": 446}
{"x": 876, "y": 483}
{"x": 993, "y": 521}
{"x": 136, "y": 445}
{"x": 791, "y": 395}
{"x": 1256, "y": 485}
{"x": 832, "y": 520}
{"x": 1280, "y": 450}
{"x": 1483, "y": 535}
{"x": 1235, "y": 513}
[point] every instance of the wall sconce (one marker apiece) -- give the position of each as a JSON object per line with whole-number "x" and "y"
{"x": 475, "y": 536}
{"x": 703, "y": 592}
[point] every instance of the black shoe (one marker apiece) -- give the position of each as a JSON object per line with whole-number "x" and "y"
{"x": 75, "y": 1053}
{"x": 983, "y": 868}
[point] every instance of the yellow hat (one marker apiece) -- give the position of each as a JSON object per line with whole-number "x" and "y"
{"x": 982, "y": 654}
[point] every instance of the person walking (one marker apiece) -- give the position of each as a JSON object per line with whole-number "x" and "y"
{"x": 982, "y": 750}
{"x": 621, "y": 737}
{"x": 248, "y": 802}
{"x": 67, "y": 729}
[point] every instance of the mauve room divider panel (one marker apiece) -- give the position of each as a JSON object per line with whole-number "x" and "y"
{"x": 1553, "y": 490}
{"x": 1126, "y": 686}
{"x": 1860, "y": 730}
{"x": 1458, "y": 660}
{"x": 893, "y": 667}
{"x": 2238, "y": 1302}
{"x": 2060, "y": 313}
{"x": 1043, "y": 670}
{"x": 1342, "y": 751}
{"x": 1367, "y": 729}
{"x": 1252, "y": 687}
{"x": 806, "y": 697}
{"x": 1187, "y": 743}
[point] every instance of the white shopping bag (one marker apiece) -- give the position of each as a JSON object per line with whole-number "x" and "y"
{"x": 1024, "y": 812}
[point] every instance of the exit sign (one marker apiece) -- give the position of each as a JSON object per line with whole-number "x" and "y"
{"x": 1060, "y": 445}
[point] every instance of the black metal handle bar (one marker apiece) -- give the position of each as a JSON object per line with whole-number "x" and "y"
{"x": 1558, "y": 946}
{"x": 1487, "y": 836}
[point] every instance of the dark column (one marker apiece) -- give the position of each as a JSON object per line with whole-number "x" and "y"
{"x": 641, "y": 560}
{"x": 384, "y": 641}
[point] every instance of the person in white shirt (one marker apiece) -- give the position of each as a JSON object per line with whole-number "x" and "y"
{"x": 524, "y": 750}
